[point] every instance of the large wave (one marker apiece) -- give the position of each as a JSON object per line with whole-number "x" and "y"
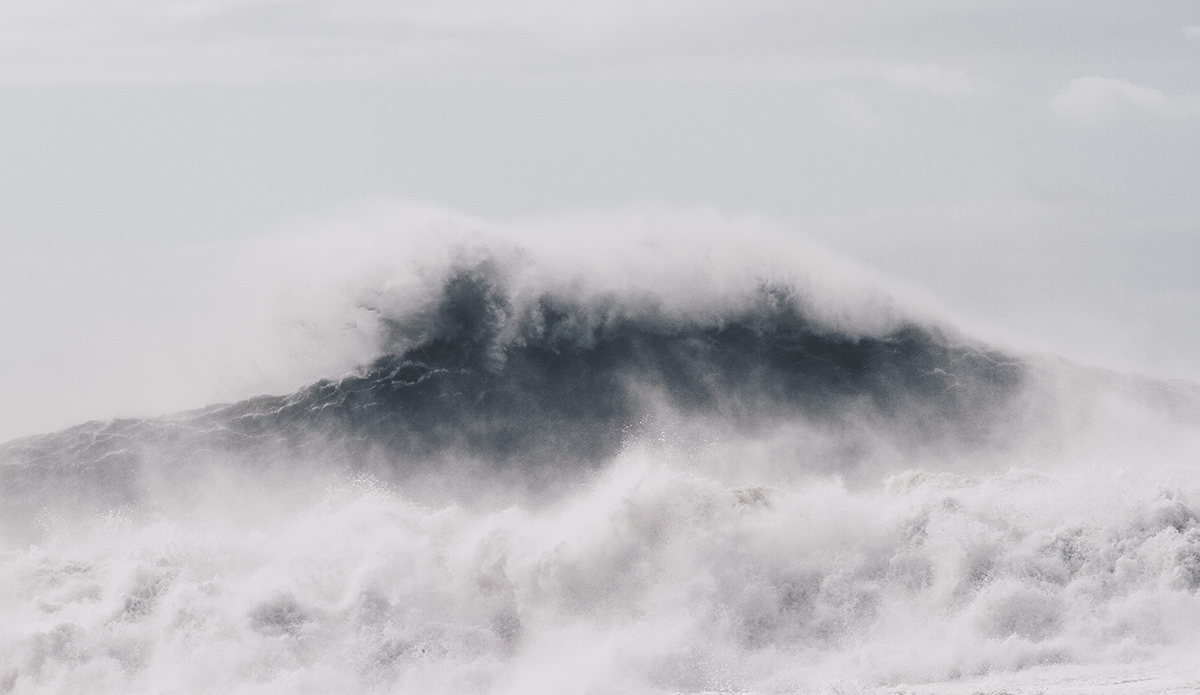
{"x": 548, "y": 486}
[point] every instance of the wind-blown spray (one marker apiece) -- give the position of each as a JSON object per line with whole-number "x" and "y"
{"x": 551, "y": 480}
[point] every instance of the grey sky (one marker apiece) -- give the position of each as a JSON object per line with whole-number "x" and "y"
{"x": 1030, "y": 166}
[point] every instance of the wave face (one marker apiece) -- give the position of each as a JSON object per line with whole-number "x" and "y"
{"x": 560, "y": 490}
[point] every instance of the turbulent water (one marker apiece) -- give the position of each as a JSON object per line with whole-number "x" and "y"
{"x": 543, "y": 487}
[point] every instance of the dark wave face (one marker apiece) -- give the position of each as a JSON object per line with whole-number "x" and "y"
{"x": 546, "y": 390}
{"x": 537, "y": 488}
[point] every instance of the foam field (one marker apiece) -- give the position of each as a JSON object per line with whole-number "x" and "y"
{"x": 563, "y": 472}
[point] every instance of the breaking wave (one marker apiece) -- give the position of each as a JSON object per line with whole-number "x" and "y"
{"x": 557, "y": 487}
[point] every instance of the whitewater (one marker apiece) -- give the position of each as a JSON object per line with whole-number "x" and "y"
{"x": 619, "y": 462}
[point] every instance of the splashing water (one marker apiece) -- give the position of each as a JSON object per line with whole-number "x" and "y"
{"x": 550, "y": 488}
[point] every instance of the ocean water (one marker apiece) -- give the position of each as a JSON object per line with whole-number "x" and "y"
{"x": 563, "y": 482}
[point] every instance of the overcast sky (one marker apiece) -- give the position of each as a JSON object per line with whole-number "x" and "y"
{"x": 1030, "y": 166}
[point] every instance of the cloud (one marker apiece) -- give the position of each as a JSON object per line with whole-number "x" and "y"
{"x": 1102, "y": 102}
{"x": 138, "y": 41}
{"x": 257, "y": 40}
{"x": 1192, "y": 32}
{"x": 933, "y": 77}
{"x": 240, "y": 41}
{"x": 851, "y": 110}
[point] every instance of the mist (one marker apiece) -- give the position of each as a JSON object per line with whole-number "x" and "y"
{"x": 637, "y": 452}
{"x": 610, "y": 347}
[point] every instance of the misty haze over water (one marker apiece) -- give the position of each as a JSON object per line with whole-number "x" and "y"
{"x": 735, "y": 346}
{"x": 621, "y": 467}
